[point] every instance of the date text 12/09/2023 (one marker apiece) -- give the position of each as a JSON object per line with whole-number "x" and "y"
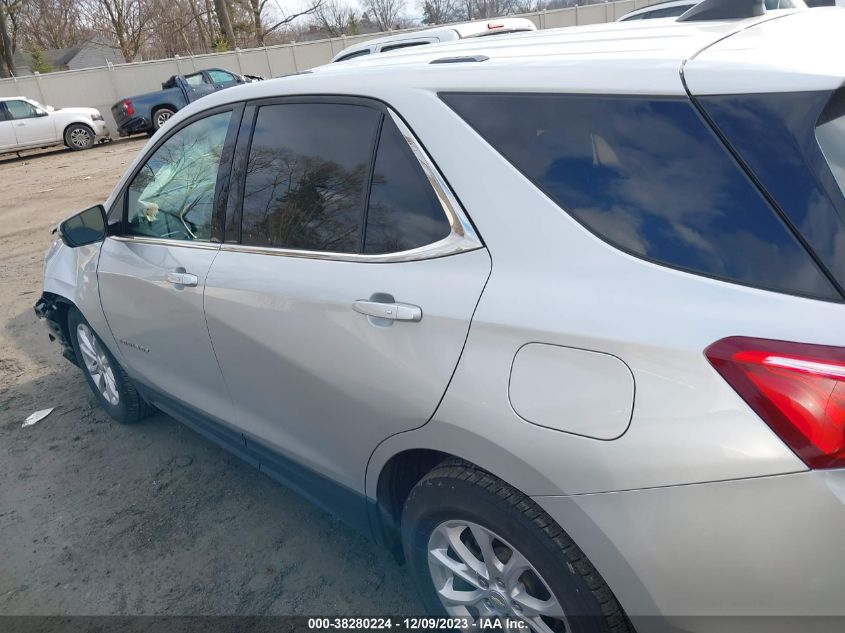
{"x": 415, "y": 624}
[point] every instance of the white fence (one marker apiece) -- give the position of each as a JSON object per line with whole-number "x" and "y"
{"x": 102, "y": 87}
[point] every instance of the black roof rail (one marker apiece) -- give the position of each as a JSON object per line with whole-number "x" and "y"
{"x": 724, "y": 10}
{"x": 460, "y": 60}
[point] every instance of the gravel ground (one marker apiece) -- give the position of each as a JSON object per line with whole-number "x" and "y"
{"x": 97, "y": 518}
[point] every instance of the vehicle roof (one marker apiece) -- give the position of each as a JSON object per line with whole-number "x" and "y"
{"x": 657, "y": 6}
{"x": 787, "y": 51}
{"x": 454, "y": 31}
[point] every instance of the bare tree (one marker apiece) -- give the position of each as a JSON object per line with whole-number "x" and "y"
{"x": 224, "y": 18}
{"x": 174, "y": 27}
{"x": 122, "y": 21}
{"x": 51, "y": 24}
{"x": 527, "y": 6}
{"x": 263, "y": 23}
{"x": 6, "y": 44}
{"x": 440, "y": 11}
{"x": 387, "y": 14}
{"x": 335, "y": 16}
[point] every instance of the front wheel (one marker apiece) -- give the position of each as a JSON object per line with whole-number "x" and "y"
{"x": 79, "y": 137}
{"x": 478, "y": 549}
{"x": 106, "y": 378}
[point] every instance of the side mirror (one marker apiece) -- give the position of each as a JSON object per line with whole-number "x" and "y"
{"x": 86, "y": 227}
{"x": 40, "y": 112}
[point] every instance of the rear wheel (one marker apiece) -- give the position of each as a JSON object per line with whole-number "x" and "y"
{"x": 79, "y": 137}
{"x": 479, "y": 548}
{"x": 104, "y": 375}
{"x": 160, "y": 117}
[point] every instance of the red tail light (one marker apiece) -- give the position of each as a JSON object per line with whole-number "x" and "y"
{"x": 798, "y": 389}
{"x": 127, "y": 107}
{"x": 491, "y": 26}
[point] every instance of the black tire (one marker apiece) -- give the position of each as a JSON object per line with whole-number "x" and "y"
{"x": 79, "y": 137}
{"x": 130, "y": 406}
{"x": 458, "y": 491}
{"x": 161, "y": 116}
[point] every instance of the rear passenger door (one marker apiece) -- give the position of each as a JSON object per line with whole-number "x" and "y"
{"x": 339, "y": 304}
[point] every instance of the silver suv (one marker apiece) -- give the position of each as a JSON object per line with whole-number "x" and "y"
{"x": 557, "y": 318}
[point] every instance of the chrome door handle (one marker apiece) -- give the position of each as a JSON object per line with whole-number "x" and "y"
{"x": 181, "y": 279}
{"x": 393, "y": 311}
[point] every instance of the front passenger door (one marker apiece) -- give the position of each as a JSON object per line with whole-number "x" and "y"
{"x": 152, "y": 275}
{"x": 221, "y": 78}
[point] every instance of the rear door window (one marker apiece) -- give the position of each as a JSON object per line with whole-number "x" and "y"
{"x": 337, "y": 178}
{"x": 307, "y": 176}
{"x": 650, "y": 177}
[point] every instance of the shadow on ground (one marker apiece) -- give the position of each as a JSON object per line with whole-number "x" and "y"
{"x": 101, "y": 518}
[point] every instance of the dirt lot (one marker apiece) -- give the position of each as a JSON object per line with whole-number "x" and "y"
{"x": 98, "y": 518}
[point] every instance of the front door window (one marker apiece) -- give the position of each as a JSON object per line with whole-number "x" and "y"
{"x": 172, "y": 196}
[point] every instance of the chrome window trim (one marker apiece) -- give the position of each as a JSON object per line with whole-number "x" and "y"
{"x": 160, "y": 241}
{"x": 449, "y": 245}
{"x": 460, "y": 224}
{"x": 462, "y": 236}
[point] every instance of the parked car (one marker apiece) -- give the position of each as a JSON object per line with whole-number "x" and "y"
{"x": 27, "y": 124}
{"x": 146, "y": 113}
{"x": 450, "y": 33}
{"x": 559, "y": 326}
{"x": 675, "y": 8}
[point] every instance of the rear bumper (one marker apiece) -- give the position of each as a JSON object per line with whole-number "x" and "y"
{"x": 52, "y": 313}
{"x": 135, "y": 125}
{"x": 747, "y": 555}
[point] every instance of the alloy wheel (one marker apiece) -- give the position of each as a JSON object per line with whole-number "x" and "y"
{"x": 80, "y": 137}
{"x": 162, "y": 116}
{"x": 479, "y": 575}
{"x": 97, "y": 364}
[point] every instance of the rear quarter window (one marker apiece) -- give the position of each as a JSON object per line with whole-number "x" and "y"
{"x": 650, "y": 177}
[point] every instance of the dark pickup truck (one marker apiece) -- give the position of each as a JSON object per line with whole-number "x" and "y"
{"x": 148, "y": 112}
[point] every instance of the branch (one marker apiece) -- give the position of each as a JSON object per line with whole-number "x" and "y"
{"x": 290, "y": 18}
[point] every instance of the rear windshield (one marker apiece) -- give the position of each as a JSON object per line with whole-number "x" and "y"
{"x": 649, "y": 176}
{"x": 830, "y": 134}
{"x": 794, "y": 144}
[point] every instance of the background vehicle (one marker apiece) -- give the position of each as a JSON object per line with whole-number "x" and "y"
{"x": 148, "y": 112}
{"x": 675, "y": 8}
{"x": 26, "y": 124}
{"x": 637, "y": 412}
{"x": 452, "y": 32}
